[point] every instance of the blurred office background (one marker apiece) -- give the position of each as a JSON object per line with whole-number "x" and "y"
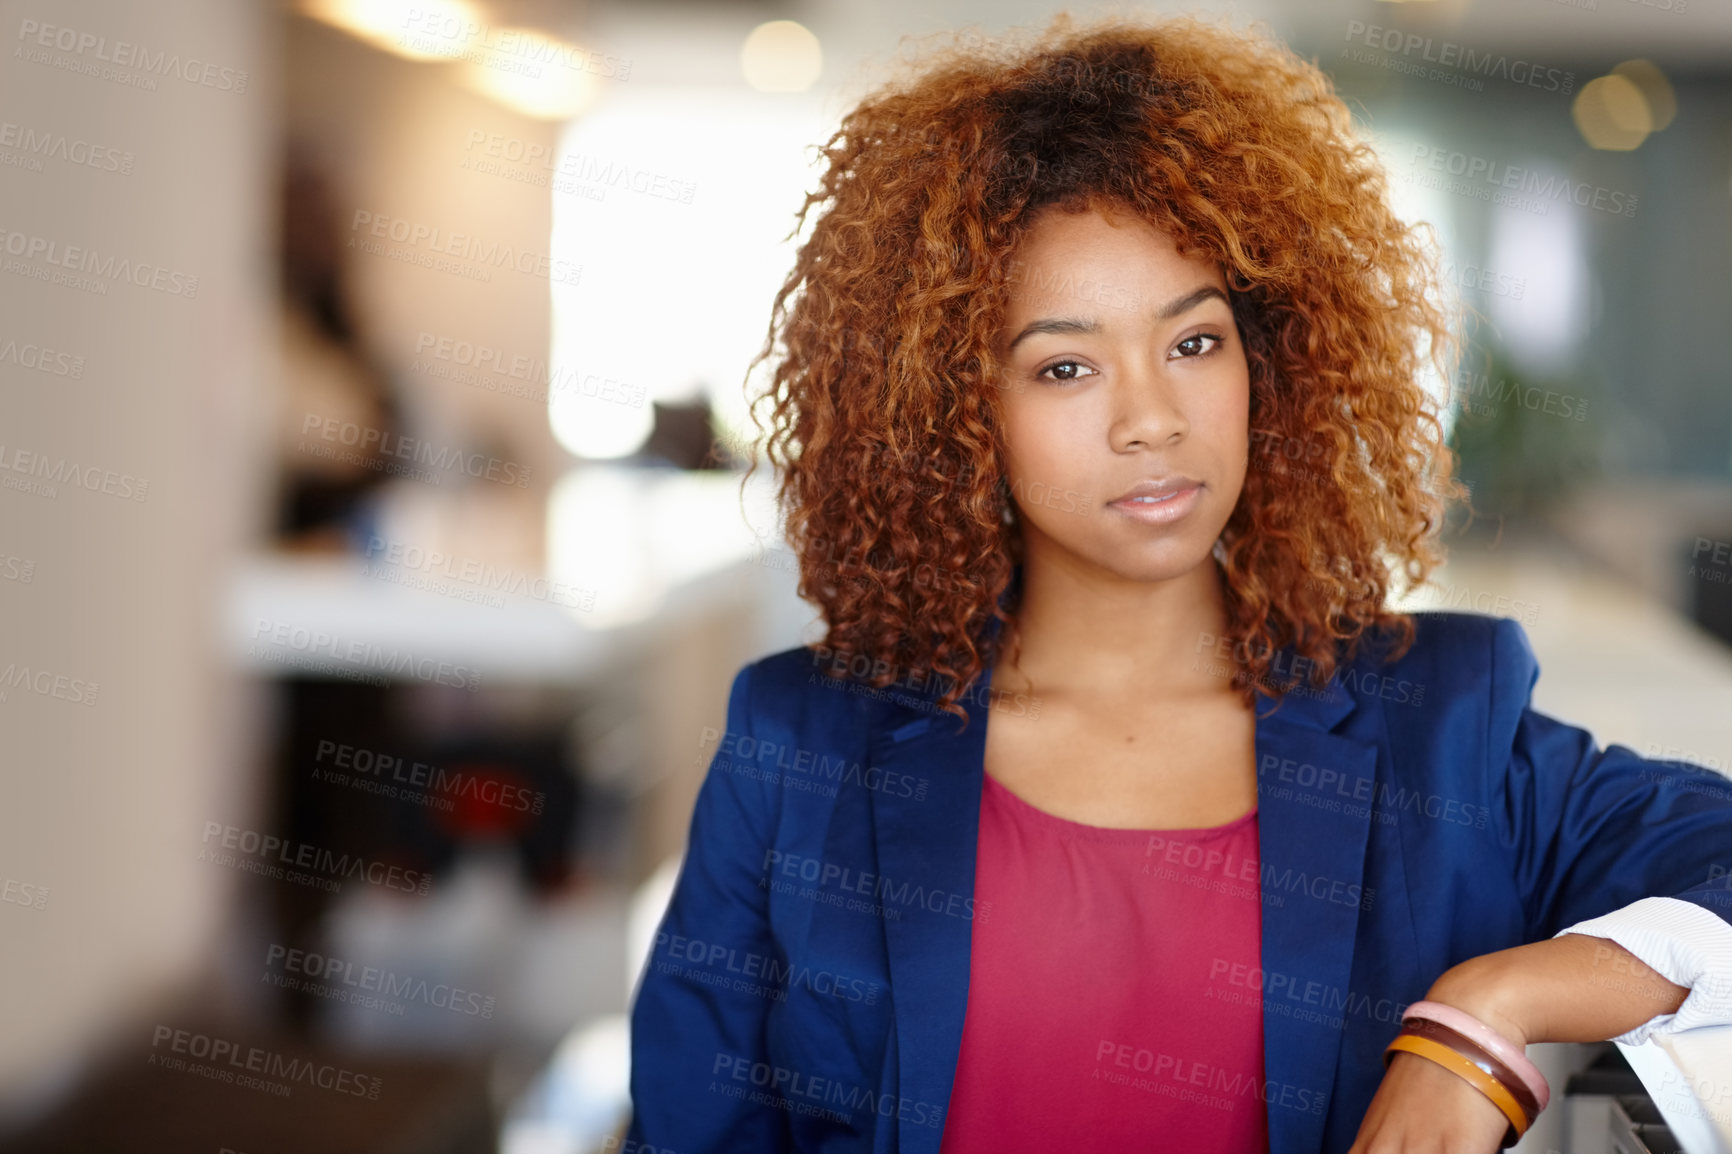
{"x": 372, "y": 379}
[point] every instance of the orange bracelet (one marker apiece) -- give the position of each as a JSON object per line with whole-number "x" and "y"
{"x": 1457, "y": 1064}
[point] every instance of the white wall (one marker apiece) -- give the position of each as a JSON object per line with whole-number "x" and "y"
{"x": 103, "y": 803}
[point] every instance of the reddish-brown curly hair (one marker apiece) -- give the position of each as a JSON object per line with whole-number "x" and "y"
{"x": 882, "y": 405}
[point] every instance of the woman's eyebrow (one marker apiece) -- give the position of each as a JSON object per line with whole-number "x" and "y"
{"x": 1060, "y": 325}
{"x": 1190, "y": 301}
{"x": 1090, "y": 326}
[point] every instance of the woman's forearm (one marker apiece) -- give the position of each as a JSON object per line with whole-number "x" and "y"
{"x": 1574, "y": 988}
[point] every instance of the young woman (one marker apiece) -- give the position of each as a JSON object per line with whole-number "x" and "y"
{"x": 1116, "y": 811}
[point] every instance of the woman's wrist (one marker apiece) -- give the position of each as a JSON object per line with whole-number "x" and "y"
{"x": 1560, "y": 990}
{"x": 1491, "y": 989}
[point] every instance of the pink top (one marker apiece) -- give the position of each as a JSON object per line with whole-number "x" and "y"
{"x": 1112, "y": 997}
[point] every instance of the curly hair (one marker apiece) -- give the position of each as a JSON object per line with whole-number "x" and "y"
{"x": 883, "y": 399}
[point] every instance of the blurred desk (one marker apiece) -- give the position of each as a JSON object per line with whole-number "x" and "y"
{"x": 327, "y": 605}
{"x": 635, "y": 556}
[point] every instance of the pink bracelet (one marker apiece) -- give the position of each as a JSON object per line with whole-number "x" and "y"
{"x": 1505, "y": 1051}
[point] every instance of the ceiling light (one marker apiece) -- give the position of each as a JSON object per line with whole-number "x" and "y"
{"x": 781, "y": 56}
{"x": 1612, "y": 114}
{"x": 532, "y": 73}
{"x": 414, "y": 29}
{"x": 1656, "y": 89}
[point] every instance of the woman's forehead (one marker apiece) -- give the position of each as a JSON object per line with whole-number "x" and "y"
{"x": 1102, "y": 259}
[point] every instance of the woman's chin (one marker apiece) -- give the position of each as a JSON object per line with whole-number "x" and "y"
{"x": 1169, "y": 561}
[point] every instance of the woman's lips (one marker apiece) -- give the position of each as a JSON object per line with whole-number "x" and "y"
{"x": 1159, "y": 510}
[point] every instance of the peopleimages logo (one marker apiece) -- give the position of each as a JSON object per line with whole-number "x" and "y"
{"x": 745, "y": 754}
{"x": 1443, "y": 596}
{"x": 1275, "y": 988}
{"x": 1190, "y": 1080}
{"x": 1460, "y": 58}
{"x": 1478, "y": 396}
{"x": 436, "y": 29}
{"x": 1512, "y": 185}
{"x": 1477, "y": 279}
{"x": 221, "y": 1052}
{"x": 121, "y": 54}
{"x": 824, "y": 874}
{"x": 45, "y": 683}
{"x": 257, "y": 851}
{"x": 1295, "y": 671}
{"x": 483, "y": 366}
{"x": 41, "y": 359}
{"x": 757, "y": 973}
{"x": 54, "y": 471}
{"x": 787, "y": 1086}
{"x": 78, "y": 259}
{"x": 357, "y": 655}
{"x": 36, "y": 144}
{"x": 389, "y": 559}
{"x": 587, "y": 174}
{"x": 17, "y": 893}
{"x": 385, "y": 443}
{"x": 328, "y": 977}
{"x": 391, "y": 772}
{"x": 426, "y": 244}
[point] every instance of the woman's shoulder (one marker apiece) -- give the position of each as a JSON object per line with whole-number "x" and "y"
{"x": 1457, "y": 664}
{"x": 1471, "y": 648}
{"x": 807, "y": 688}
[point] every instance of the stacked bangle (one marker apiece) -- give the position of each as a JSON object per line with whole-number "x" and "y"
{"x": 1489, "y": 1040}
{"x": 1479, "y": 1055}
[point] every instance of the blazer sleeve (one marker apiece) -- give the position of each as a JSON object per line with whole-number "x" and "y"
{"x": 1597, "y": 834}
{"x": 688, "y": 1034}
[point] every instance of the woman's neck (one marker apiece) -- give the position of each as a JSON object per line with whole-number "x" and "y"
{"x": 1085, "y": 630}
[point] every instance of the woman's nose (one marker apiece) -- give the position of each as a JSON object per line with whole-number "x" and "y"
{"x": 1145, "y": 411}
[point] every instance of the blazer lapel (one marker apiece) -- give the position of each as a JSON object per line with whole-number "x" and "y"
{"x": 1313, "y": 818}
{"x": 929, "y": 842}
{"x": 1312, "y": 837}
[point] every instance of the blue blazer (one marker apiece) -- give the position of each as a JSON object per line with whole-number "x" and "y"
{"x": 807, "y": 986}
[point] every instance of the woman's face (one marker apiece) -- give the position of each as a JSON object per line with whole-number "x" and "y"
{"x": 1126, "y": 398}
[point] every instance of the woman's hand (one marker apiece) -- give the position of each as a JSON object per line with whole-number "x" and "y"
{"x": 1422, "y": 1108}
{"x": 1574, "y": 988}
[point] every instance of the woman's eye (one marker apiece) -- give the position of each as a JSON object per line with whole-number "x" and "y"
{"x": 1194, "y": 344}
{"x": 1065, "y": 371}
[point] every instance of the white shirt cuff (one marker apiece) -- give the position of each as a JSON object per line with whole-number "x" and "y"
{"x": 1683, "y": 943}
